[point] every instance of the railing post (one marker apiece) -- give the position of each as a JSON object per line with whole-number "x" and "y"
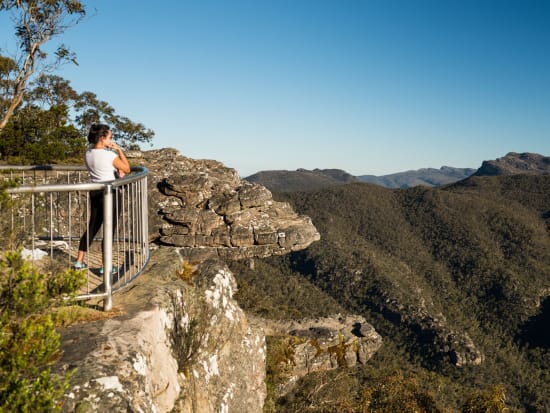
{"x": 108, "y": 245}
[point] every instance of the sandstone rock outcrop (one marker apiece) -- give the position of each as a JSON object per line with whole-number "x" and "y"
{"x": 205, "y": 210}
{"x": 322, "y": 344}
{"x": 180, "y": 343}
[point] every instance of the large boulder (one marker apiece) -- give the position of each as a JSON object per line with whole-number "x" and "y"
{"x": 205, "y": 210}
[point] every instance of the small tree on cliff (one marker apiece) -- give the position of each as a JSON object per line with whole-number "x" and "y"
{"x": 36, "y": 23}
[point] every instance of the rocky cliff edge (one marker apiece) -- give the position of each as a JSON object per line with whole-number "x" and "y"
{"x": 205, "y": 210}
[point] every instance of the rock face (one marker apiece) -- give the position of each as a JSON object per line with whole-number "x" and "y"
{"x": 323, "y": 344}
{"x": 205, "y": 210}
{"x": 181, "y": 344}
{"x": 516, "y": 164}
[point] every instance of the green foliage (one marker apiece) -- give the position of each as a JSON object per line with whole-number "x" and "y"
{"x": 28, "y": 340}
{"x": 397, "y": 394}
{"x": 270, "y": 291}
{"x": 89, "y": 109}
{"x": 35, "y": 24}
{"x": 189, "y": 334}
{"x": 491, "y": 400}
{"x": 42, "y": 130}
{"x": 42, "y": 118}
{"x": 278, "y": 364}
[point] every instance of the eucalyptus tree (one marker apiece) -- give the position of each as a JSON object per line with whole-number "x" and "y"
{"x": 53, "y": 119}
{"x": 36, "y": 23}
{"x": 128, "y": 134}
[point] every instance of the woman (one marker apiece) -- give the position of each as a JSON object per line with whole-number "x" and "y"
{"x": 104, "y": 159}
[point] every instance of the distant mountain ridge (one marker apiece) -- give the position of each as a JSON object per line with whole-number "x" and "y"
{"x": 429, "y": 177}
{"x": 516, "y": 164}
{"x": 306, "y": 180}
{"x": 301, "y": 179}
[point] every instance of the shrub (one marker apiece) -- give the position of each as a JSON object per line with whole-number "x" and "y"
{"x": 29, "y": 343}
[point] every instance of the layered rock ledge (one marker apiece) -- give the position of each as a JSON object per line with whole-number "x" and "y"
{"x": 205, "y": 210}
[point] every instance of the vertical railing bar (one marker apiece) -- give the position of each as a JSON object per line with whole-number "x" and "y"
{"x": 24, "y": 215}
{"x": 128, "y": 238}
{"x": 136, "y": 221}
{"x": 113, "y": 231}
{"x": 12, "y": 216}
{"x": 127, "y": 226}
{"x": 69, "y": 218}
{"x": 144, "y": 218}
{"x": 51, "y": 226}
{"x": 142, "y": 234}
{"x": 129, "y": 235}
{"x": 32, "y": 226}
{"x": 137, "y": 237}
{"x": 132, "y": 245}
{"x": 87, "y": 257}
{"x": 121, "y": 228}
{"x": 134, "y": 215}
{"x": 137, "y": 242}
{"x": 107, "y": 245}
{"x": 79, "y": 203}
{"x": 120, "y": 242}
{"x": 69, "y": 239}
{"x": 119, "y": 219}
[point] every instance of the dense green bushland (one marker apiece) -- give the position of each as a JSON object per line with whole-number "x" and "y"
{"x": 473, "y": 257}
{"x": 29, "y": 343}
{"x": 30, "y": 300}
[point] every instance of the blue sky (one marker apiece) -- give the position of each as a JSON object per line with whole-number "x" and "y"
{"x": 368, "y": 86}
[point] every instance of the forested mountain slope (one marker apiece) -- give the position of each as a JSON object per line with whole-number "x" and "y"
{"x": 425, "y": 177}
{"x": 455, "y": 279}
{"x": 301, "y": 179}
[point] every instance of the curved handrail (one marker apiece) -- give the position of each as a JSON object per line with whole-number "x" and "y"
{"x": 137, "y": 173}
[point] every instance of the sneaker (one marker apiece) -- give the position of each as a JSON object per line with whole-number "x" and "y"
{"x": 114, "y": 270}
{"x": 77, "y": 265}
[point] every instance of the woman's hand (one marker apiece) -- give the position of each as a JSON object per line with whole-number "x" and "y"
{"x": 113, "y": 145}
{"x": 120, "y": 162}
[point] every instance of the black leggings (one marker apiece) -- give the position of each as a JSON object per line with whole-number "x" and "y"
{"x": 96, "y": 218}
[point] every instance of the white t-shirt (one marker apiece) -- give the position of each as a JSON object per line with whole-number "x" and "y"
{"x": 100, "y": 164}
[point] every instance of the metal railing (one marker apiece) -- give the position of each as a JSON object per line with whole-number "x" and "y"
{"x": 49, "y": 209}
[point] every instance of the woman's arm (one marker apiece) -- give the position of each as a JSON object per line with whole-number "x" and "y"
{"x": 120, "y": 162}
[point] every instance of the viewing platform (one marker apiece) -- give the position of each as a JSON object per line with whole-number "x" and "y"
{"x": 48, "y": 209}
